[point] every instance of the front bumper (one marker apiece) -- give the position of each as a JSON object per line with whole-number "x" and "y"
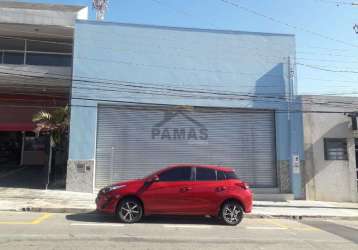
{"x": 106, "y": 203}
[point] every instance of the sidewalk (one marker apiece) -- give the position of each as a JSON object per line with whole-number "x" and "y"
{"x": 12, "y": 199}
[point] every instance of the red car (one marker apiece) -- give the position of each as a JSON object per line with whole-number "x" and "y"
{"x": 179, "y": 190}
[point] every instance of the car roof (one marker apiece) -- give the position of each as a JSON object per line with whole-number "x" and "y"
{"x": 215, "y": 167}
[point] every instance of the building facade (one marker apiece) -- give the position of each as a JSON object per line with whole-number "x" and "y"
{"x": 144, "y": 97}
{"x": 36, "y": 43}
{"x": 331, "y": 146}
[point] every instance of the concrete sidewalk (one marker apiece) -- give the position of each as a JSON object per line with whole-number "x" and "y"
{"x": 13, "y": 199}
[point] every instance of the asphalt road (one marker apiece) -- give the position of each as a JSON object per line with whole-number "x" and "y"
{"x": 90, "y": 231}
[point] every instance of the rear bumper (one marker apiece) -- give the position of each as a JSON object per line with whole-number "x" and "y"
{"x": 247, "y": 200}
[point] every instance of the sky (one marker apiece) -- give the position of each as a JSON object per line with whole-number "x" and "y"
{"x": 325, "y": 38}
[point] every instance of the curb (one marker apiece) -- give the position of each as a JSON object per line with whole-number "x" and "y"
{"x": 49, "y": 210}
{"x": 300, "y": 217}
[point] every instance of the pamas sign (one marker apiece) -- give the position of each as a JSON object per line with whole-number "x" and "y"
{"x": 187, "y": 129}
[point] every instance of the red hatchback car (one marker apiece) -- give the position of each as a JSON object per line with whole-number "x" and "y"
{"x": 179, "y": 190}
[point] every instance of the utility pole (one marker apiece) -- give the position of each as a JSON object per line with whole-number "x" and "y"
{"x": 101, "y": 7}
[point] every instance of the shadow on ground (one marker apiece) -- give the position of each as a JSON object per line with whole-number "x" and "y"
{"x": 153, "y": 219}
{"x": 34, "y": 177}
{"x": 23, "y": 177}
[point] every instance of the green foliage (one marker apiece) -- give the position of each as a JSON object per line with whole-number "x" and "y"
{"x": 55, "y": 122}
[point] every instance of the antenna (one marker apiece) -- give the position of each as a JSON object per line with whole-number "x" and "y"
{"x": 101, "y": 7}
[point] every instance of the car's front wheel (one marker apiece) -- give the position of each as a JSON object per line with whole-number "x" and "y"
{"x": 130, "y": 210}
{"x": 232, "y": 213}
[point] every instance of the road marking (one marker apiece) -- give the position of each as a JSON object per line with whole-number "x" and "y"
{"x": 297, "y": 228}
{"x": 267, "y": 228}
{"x": 97, "y": 224}
{"x": 41, "y": 219}
{"x": 33, "y": 222}
{"x": 188, "y": 226}
{"x": 277, "y": 223}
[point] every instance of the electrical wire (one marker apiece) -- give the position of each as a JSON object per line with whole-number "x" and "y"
{"x": 191, "y": 93}
{"x": 275, "y": 20}
{"x": 337, "y": 3}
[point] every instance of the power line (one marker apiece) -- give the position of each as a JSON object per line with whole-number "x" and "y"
{"x": 338, "y": 3}
{"x": 322, "y": 68}
{"x": 195, "y": 94}
{"x": 35, "y": 40}
{"x": 256, "y": 13}
{"x": 153, "y": 105}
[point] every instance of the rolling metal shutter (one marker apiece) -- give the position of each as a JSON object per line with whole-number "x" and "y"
{"x": 134, "y": 141}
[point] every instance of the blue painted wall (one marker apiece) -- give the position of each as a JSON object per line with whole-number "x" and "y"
{"x": 122, "y": 63}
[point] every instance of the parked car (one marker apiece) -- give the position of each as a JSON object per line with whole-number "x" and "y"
{"x": 179, "y": 190}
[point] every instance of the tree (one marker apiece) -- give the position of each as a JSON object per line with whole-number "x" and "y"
{"x": 55, "y": 123}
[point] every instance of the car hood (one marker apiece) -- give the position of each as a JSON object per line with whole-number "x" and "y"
{"x": 130, "y": 183}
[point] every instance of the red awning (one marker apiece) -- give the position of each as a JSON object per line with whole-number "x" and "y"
{"x": 17, "y": 126}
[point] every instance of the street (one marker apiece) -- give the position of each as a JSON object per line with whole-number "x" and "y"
{"x": 25, "y": 230}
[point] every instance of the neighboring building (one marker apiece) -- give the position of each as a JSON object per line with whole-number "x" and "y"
{"x": 331, "y": 147}
{"x": 144, "y": 97}
{"x": 36, "y": 43}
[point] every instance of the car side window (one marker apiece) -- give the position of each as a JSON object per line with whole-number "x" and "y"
{"x": 221, "y": 175}
{"x": 176, "y": 174}
{"x": 231, "y": 176}
{"x": 205, "y": 174}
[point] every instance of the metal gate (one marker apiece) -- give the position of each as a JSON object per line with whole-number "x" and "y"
{"x": 133, "y": 141}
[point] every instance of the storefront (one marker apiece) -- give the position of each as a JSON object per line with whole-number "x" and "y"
{"x": 134, "y": 141}
{"x": 24, "y": 155}
{"x": 161, "y": 95}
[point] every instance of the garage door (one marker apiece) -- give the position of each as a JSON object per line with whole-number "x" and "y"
{"x": 133, "y": 141}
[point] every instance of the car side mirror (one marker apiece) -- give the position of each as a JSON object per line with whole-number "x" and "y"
{"x": 155, "y": 178}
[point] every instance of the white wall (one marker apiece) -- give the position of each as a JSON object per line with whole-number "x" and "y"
{"x": 41, "y": 14}
{"x": 328, "y": 180}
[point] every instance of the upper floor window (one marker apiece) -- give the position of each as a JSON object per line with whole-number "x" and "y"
{"x": 335, "y": 149}
{"x": 35, "y": 52}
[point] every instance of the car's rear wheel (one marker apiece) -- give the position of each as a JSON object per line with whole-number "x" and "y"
{"x": 130, "y": 210}
{"x": 232, "y": 213}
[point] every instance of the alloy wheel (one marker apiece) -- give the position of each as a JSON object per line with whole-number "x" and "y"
{"x": 232, "y": 213}
{"x": 130, "y": 211}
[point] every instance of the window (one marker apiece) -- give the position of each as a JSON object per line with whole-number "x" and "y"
{"x": 221, "y": 175}
{"x": 226, "y": 175}
{"x": 13, "y": 58}
{"x": 335, "y": 149}
{"x": 231, "y": 176}
{"x": 48, "y": 59}
{"x": 205, "y": 174}
{"x": 176, "y": 174}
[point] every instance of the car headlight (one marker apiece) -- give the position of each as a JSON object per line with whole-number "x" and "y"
{"x": 111, "y": 188}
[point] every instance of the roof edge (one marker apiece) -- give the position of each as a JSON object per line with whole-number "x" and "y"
{"x": 41, "y": 6}
{"x": 183, "y": 28}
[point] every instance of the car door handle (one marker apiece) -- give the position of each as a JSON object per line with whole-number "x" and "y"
{"x": 220, "y": 189}
{"x": 185, "y": 189}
